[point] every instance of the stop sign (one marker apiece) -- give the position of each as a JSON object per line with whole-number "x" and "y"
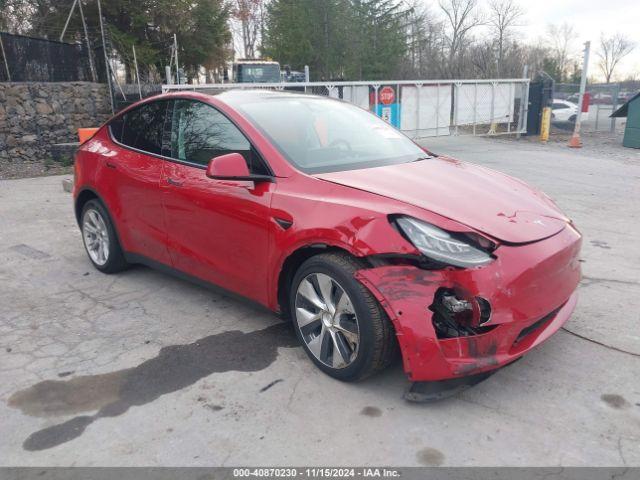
{"x": 386, "y": 95}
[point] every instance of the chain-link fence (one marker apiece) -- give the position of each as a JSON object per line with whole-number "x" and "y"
{"x": 27, "y": 59}
{"x": 603, "y": 100}
{"x": 419, "y": 108}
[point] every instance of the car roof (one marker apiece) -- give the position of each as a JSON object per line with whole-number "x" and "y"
{"x": 233, "y": 98}
{"x": 238, "y": 95}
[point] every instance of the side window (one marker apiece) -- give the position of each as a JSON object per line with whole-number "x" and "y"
{"x": 199, "y": 132}
{"x": 558, "y": 106}
{"x": 142, "y": 128}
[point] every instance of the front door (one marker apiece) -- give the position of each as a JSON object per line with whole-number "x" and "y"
{"x": 217, "y": 230}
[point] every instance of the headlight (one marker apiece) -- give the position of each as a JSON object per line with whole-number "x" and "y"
{"x": 443, "y": 246}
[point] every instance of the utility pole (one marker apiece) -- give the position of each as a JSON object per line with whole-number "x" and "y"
{"x": 175, "y": 50}
{"x": 86, "y": 37}
{"x": 66, "y": 24}
{"x": 575, "y": 142}
{"x": 106, "y": 58}
{"x": 135, "y": 62}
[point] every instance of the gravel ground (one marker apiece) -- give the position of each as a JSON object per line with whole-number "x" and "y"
{"x": 594, "y": 144}
{"x": 143, "y": 369}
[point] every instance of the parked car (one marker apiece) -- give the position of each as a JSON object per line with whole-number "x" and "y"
{"x": 563, "y": 111}
{"x": 601, "y": 99}
{"x": 624, "y": 97}
{"x": 322, "y": 212}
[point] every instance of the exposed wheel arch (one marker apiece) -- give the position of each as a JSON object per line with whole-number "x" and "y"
{"x": 83, "y": 197}
{"x": 87, "y": 194}
{"x": 291, "y": 265}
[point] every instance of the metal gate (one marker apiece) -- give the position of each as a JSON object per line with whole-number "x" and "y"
{"x": 419, "y": 108}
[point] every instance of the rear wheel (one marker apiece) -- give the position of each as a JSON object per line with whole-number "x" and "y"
{"x": 100, "y": 239}
{"x": 342, "y": 327}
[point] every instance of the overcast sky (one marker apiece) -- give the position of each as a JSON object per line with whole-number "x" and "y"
{"x": 589, "y": 18}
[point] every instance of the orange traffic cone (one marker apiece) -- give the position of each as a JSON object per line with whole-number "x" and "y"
{"x": 575, "y": 142}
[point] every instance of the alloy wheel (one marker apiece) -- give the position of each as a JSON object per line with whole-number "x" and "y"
{"x": 327, "y": 320}
{"x": 96, "y": 236}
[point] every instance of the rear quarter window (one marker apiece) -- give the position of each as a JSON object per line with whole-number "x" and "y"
{"x": 142, "y": 128}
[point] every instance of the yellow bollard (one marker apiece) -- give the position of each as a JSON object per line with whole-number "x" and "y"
{"x": 545, "y": 124}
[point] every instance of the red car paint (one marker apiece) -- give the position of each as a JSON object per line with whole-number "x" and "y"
{"x": 228, "y": 233}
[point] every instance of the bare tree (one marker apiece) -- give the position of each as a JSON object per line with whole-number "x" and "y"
{"x": 504, "y": 15}
{"x": 423, "y": 36}
{"x": 461, "y": 17}
{"x": 249, "y": 16}
{"x": 612, "y": 50}
{"x": 561, "y": 37}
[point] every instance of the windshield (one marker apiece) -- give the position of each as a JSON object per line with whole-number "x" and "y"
{"x": 319, "y": 135}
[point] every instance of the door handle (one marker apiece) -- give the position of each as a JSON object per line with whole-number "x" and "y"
{"x": 111, "y": 165}
{"x": 173, "y": 182}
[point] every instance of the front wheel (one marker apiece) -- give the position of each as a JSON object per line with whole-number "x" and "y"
{"x": 340, "y": 324}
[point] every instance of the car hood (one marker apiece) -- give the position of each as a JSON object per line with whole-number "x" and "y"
{"x": 485, "y": 200}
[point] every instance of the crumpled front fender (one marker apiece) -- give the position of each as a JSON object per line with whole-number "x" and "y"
{"x": 530, "y": 288}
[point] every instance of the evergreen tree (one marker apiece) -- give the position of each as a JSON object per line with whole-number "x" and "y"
{"x": 338, "y": 39}
{"x": 201, "y": 27}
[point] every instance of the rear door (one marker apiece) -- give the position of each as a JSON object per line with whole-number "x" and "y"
{"x": 217, "y": 230}
{"x": 132, "y": 177}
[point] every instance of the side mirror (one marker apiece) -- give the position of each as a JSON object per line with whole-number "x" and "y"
{"x": 232, "y": 166}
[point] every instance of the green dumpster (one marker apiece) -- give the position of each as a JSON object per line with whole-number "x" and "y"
{"x": 631, "y": 110}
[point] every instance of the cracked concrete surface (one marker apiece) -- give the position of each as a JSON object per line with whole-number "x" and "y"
{"x": 144, "y": 369}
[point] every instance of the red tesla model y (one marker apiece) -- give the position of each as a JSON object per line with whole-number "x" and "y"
{"x": 322, "y": 212}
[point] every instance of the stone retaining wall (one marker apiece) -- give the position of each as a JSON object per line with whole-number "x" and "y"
{"x": 33, "y": 116}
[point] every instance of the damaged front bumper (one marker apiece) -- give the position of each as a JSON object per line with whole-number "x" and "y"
{"x": 530, "y": 294}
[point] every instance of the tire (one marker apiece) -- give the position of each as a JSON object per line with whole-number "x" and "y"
{"x": 376, "y": 345}
{"x": 97, "y": 230}
{"x": 572, "y": 118}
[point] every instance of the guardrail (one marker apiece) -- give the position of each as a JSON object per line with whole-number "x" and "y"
{"x": 419, "y": 108}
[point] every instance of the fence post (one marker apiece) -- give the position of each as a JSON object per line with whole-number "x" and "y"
{"x": 418, "y": 95}
{"x": 525, "y": 113}
{"x": 92, "y": 67}
{"x": 66, "y": 24}
{"x": 175, "y": 49}
{"x": 615, "y": 91}
{"x": 375, "y": 99}
{"x": 456, "y": 103}
{"x": 437, "y": 109}
{"x": 475, "y": 106}
{"x": 511, "y": 105}
{"x": 135, "y": 62}
{"x": 399, "y": 109}
{"x": 106, "y": 59}
{"x": 492, "y": 127}
{"x": 4, "y": 56}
